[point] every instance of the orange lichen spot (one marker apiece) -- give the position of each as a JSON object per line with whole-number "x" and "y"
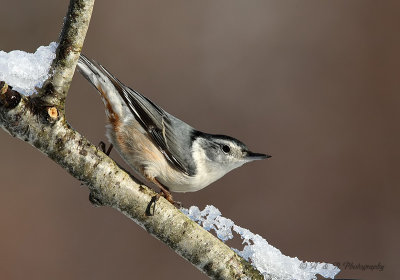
{"x": 53, "y": 113}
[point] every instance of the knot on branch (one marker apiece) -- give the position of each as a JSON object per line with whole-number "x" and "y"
{"x": 9, "y": 98}
{"x": 94, "y": 198}
{"x": 53, "y": 112}
{"x": 47, "y": 112}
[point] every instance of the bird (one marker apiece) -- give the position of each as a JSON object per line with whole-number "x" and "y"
{"x": 163, "y": 149}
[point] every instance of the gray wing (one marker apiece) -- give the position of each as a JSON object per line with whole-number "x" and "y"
{"x": 171, "y": 135}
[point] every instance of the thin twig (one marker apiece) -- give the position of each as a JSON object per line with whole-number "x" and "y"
{"x": 72, "y": 36}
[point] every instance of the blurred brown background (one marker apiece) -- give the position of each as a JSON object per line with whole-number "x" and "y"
{"x": 314, "y": 83}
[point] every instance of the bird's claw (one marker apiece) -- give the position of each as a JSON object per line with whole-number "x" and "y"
{"x": 102, "y": 146}
{"x": 152, "y": 204}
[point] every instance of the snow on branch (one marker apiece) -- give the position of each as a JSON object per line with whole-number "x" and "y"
{"x": 266, "y": 258}
{"x": 27, "y": 71}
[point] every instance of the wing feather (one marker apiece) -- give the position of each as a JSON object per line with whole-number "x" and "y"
{"x": 171, "y": 135}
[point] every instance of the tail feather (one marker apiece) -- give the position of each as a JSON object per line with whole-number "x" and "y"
{"x": 100, "y": 78}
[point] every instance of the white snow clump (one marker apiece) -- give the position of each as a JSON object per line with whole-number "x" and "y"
{"x": 25, "y": 71}
{"x": 264, "y": 257}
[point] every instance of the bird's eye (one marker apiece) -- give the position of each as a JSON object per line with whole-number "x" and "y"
{"x": 226, "y": 149}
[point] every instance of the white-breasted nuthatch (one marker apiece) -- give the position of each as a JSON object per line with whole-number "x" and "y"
{"x": 165, "y": 150}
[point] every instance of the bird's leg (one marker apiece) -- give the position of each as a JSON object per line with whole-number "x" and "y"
{"x": 102, "y": 147}
{"x": 164, "y": 191}
{"x": 109, "y": 149}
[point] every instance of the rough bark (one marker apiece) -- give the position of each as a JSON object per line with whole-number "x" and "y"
{"x": 40, "y": 121}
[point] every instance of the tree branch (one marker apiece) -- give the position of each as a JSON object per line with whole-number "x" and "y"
{"x": 72, "y": 36}
{"x": 40, "y": 121}
{"x": 111, "y": 186}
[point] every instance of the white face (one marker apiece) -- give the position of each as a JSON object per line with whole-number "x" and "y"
{"x": 226, "y": 153}
{"x": 220, "y": 155}
{"x": 215, "y": 156}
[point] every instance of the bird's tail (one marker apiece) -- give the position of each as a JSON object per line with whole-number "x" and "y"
{"x": 104, "y": 82}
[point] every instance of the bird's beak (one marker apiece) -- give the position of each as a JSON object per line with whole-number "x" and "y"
{"x": 256, "y": 156}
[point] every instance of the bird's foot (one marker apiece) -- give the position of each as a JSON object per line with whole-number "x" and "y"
{"x": 164, "y": 191}
{"x": 168, "y": 196}
{"x": 102, "y": 147}
{"x": 152, "y": 204}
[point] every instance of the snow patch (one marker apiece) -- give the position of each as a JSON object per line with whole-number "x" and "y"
{"x": 25, "y": 71}
{"x": 266, "y": 258}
